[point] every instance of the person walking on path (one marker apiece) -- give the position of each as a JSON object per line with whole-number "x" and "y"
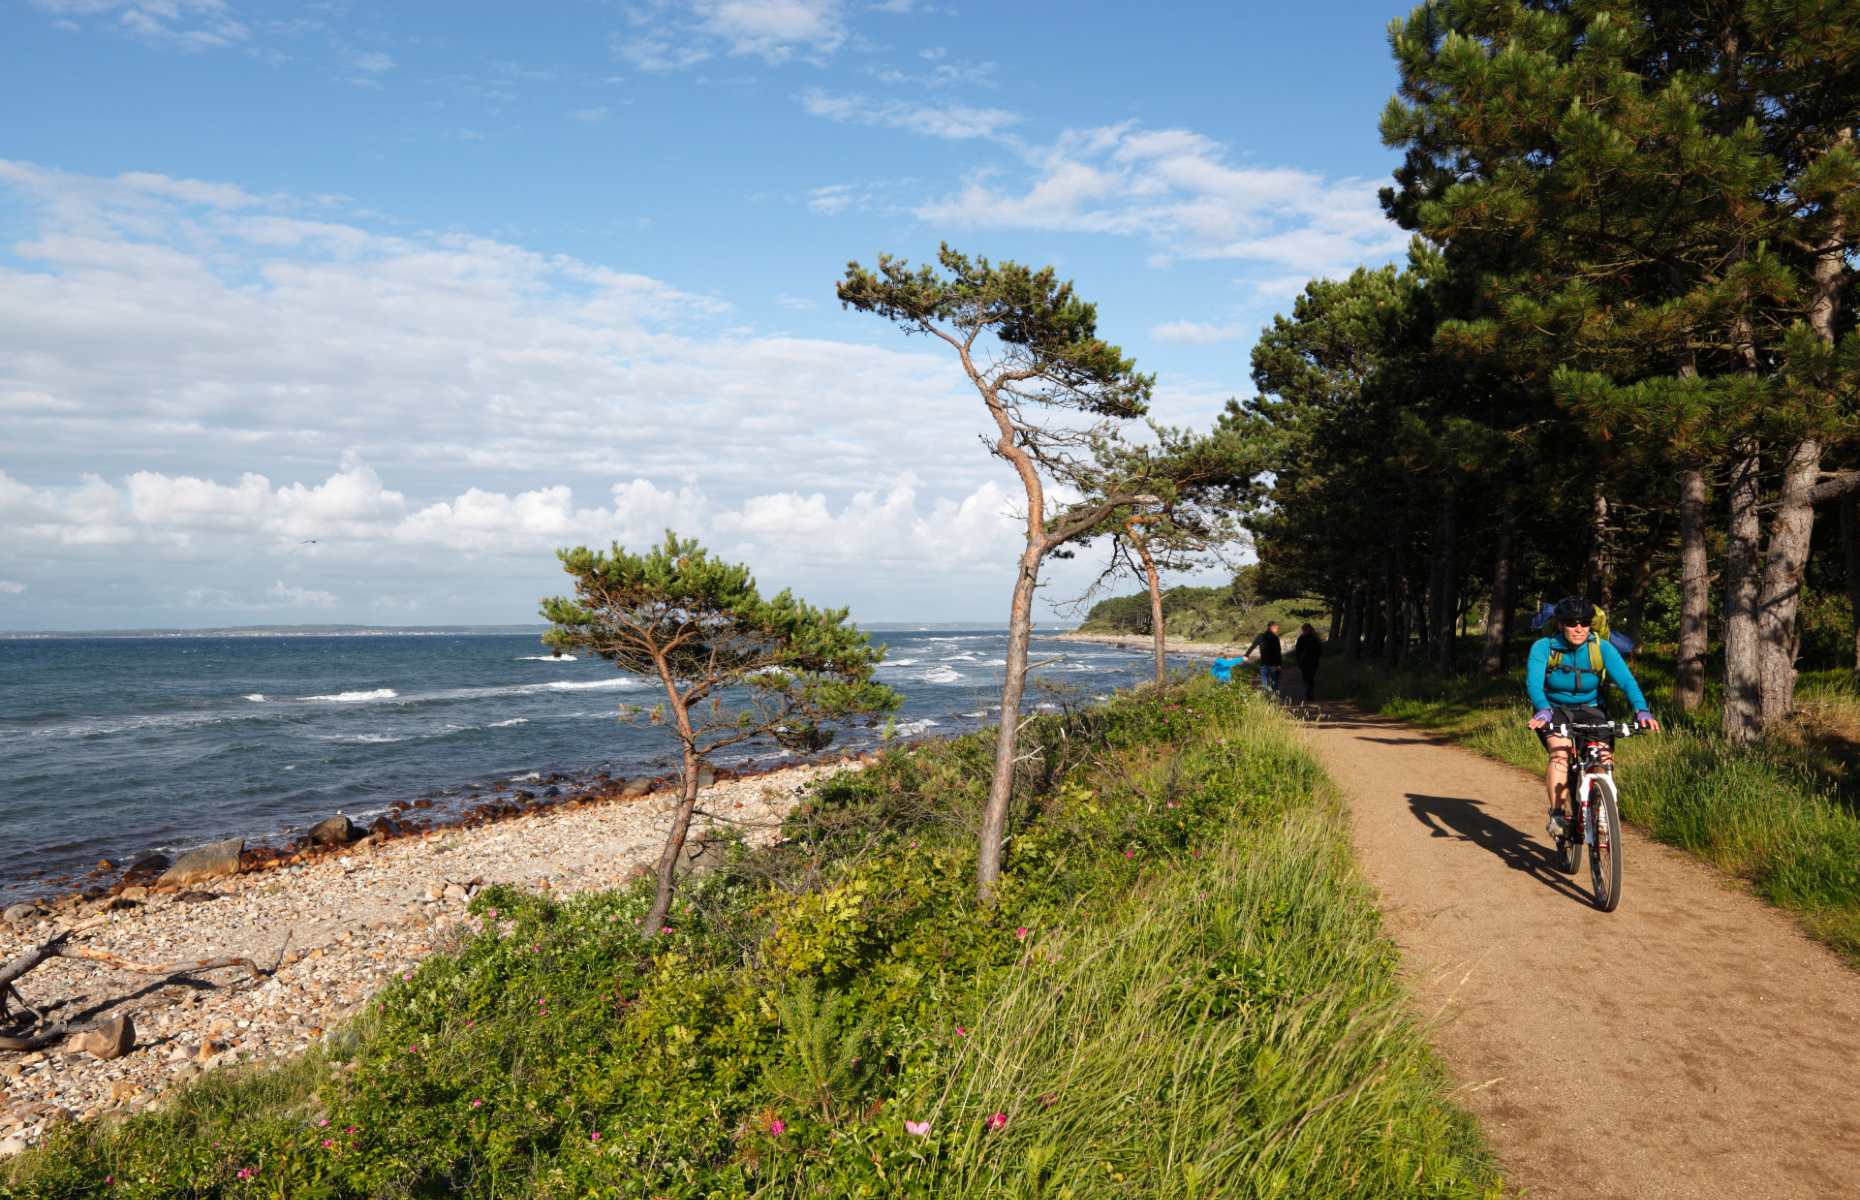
{"x": 1271, "y": 656}
{"x": 1305, "y": 652}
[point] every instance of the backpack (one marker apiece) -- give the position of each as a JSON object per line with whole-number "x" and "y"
{"x": 1595, "y": 667}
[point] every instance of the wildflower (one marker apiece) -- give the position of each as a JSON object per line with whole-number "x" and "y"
{"x": 329, "y": 1143}
{"x": 414, "y": 1049}
{"x": 349, "y": 1129}
{"x": 491, "y": 913}
{"x": 595, "y": 1136}
{"x": 665, "y": 929}
{"x": 1130, "y": 854}
{"x": 247, "y": 1172}
{"x": 477, "y": 1103}
{"x": 997, "y": 1120}
{"x": 777, "y": 1127}
{"x": 323, "y": 1124}
{"x": 109, "y": 1180}
{"x": 961, "y": 1032}
{"x": 917, "y": 1128}
{"x": 1021, "y": 933}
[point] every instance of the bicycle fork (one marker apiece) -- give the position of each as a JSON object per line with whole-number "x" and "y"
{"x": 1588, "y": 818}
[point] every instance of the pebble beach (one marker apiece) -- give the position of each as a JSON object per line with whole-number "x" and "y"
{"x": 338, "y": 925}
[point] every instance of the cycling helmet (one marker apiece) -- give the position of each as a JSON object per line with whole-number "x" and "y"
{"x": 1574, "y": 610}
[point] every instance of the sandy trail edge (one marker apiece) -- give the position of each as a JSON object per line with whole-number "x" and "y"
{"x": 1692, "y": 1043}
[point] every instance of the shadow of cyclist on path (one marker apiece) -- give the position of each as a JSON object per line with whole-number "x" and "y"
{"x": 1467, "y": 820}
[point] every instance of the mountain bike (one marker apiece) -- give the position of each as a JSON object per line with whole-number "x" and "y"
{"x": 1596, "y": 820}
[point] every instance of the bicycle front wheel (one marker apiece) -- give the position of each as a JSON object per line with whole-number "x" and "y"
{"x": 1605, "y": 855}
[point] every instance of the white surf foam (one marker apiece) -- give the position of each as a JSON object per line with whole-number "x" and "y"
{"x": 913, "y": 728}
{"x": 256, "y": 697}
{"x": 532, "y": 777}
{"x": 941, "y": 675}
{"x": 509, "y": 723}
{"x": 546, "y": 658}
{"x": 586, "y": 685}
{"x": 356, "y": 697}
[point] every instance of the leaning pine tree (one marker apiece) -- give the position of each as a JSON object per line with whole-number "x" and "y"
{"x": 1029, "y": 346}
{"x": 735, "y": 667}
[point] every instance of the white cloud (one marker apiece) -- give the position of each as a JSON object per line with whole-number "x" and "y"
{"x": 10, "y": 588}
{"x": 180, "y": 24}
{"x": 1196, "y": 333}
{"x": 951, "y": 121}
{"x": 673, "y": 35}
{"x": 373, "y": 62}
{"x": 181, "y": 363}
{"x": 590, "y": 115}
{"x": 1178, "y": 190}
{"x": 297, "y": 597}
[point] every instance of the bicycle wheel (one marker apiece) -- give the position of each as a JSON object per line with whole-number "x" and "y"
{"x": 1605, "y": 859}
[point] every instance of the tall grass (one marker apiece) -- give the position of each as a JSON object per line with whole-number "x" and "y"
{"x": 1183, "y": 993}
{"x": 1777, "y": 814}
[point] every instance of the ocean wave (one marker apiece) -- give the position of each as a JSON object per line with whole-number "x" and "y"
{"x": 912, "y": 728}
{"x": 941, "y": 675}
{"x": 509, "y": 723}
{"x": 531, "y": 777}
{"x": 361, "y": 739}
{"x": 355, "y": 697}
{"x": 256, "y": 697}
{"x": 580, "y": 685}
{"x": 546, "y": 658}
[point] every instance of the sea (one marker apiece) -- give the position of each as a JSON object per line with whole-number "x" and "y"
{"x": 114, "y": 747}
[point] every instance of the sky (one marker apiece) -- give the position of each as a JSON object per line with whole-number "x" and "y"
{"x": 339, "y": 313}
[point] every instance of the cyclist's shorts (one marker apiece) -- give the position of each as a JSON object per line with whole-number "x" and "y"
{"x": 1581, "y": 714}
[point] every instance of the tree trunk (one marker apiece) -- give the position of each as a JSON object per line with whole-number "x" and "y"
{"x": 1001, "y": 788}
{"x": 1336, "y": 617}
{"x": 1353, "y": 623}
{"x": 1156, "y": 612}
{"x": 1787, "y": 563}
{"x": 675, "y": 840}
{"x": 1640, "y": 577}
{"x": 1600, "y": 584}
{"x": 1694, "y": 592}
{"x": 1447, "y": 602}
{"x": 1850, "y": 546}
{"x": 1742, "y": 668}
{"x": 1498, "y": 611}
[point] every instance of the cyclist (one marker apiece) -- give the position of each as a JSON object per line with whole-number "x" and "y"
{"x": 1564, "y": 679}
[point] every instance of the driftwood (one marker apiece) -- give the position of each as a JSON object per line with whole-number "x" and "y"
{"x": 23, "y": 1031}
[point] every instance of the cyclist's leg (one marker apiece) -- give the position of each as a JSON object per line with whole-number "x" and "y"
{"x": 1556, "y": 772}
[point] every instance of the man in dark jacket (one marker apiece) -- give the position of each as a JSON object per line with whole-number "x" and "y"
{"x": 1305, "y": 652}
{"x": 1271, "y": 656}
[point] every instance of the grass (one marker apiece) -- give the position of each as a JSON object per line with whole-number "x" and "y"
{"x": 1183, "y": 992}
{"x": 1780, "y": 815}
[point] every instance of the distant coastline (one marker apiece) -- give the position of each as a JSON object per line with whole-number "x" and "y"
{"x": 226, "y": 631}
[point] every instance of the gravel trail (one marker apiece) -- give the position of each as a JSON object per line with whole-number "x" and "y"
{"x": 1693, "y": 1043}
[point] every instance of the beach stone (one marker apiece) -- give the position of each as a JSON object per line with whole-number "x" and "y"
{"x": 113, "y": 1039}
{"x": 335, "y": 831}
{"x": 135, "y": 895}
{"x": 638, "y": 787}
{"x": 209, "y": 1049}
{"x": 149, "y": 866}
{"x": 207, "y": 862}
{"x": 384, "y": 826}
{"x": 21, "y": 914}
{"x": 11, "y": 1146}
{"x": 455, "y": 891}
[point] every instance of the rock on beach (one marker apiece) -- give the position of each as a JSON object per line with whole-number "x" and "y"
{"x": 215, "y": 861}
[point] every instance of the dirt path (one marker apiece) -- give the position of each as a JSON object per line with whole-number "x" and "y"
{"x": 1692, "y": 1043}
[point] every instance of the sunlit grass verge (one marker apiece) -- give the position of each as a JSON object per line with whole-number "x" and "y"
{"x": 1771, "y": 814}
{"x": 1183, "y": 992}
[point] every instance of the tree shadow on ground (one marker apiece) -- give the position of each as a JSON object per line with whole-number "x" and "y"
{"x": 1467, "y": 820}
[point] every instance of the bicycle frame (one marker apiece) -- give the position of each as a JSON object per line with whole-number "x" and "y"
{"x": 1590, "y": 743}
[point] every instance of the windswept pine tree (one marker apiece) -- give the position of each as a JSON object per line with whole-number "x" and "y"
{"x": 734, "y": 667}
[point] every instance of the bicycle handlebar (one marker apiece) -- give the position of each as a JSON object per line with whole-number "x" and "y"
{"x": 1615, "y": 728}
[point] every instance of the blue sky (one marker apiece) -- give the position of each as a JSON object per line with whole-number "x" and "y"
{"x": 336, "y": 313}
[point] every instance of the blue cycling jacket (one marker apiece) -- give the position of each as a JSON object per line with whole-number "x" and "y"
{"x": 1223, "y": 668}
{"x": 1572, "y": 683}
